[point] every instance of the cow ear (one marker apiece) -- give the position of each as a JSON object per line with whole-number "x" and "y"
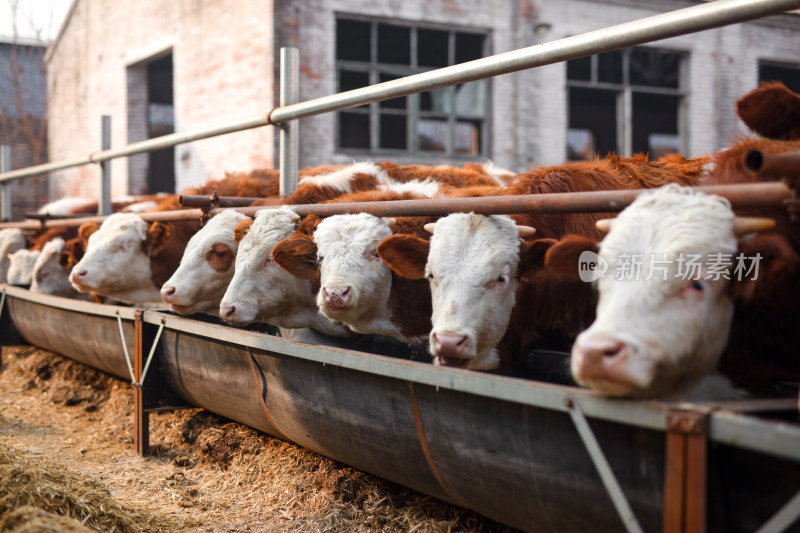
{"x": 562, "y": 259}
{"x": 241, "y": 229}
{"x": 85, "y": 231}
{"x": 768, "y": 261}
{"x": 405, "y": 254}
{"x": 157, "y": 236}
{"x": 298, "y": 256}
{"x": 532, "y": 254}
{"x": 308, "y": 225}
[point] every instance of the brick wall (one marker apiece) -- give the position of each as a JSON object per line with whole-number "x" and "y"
{"x": 222, "y": 54}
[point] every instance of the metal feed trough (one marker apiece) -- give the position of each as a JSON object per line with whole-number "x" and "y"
{"x": 536, "y": 456}
{"x": 524, "y": 453}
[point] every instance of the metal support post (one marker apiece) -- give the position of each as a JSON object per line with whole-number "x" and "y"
{"x": 685, "y": 472}
{"x": 105, "y": 167}
{"x": 5, "y": 189}
{"x": 142, "y": 417}
{"x": 289, "y": 94}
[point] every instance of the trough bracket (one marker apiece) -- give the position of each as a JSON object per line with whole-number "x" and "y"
{"x": 154, "y": 394}
{"x": 686, "y": 471}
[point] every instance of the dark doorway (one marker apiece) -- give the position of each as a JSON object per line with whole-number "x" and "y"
{"x": 160, "y": 121}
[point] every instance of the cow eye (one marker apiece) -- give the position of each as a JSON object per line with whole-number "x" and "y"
{"x": 220, "y": 253}
{"x": 429, "y": 275}
{"x": 698, "y": 285}
{"x": 502, "y": 278}
{"x": 319, "y": 259}
{"x": 270, "y": 260}
{"x": 375, "y": 253}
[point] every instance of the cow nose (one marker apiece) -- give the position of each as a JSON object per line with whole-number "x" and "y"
{"x": 337, "y": 296}
{"x": 448, "y": 345}
{"x": 167, "y": 293}
{"x": 41, "y": 275}
{"x": 597, "y": 354}
{"x": 79, "y": 275}
{"x": 228, "y": 313}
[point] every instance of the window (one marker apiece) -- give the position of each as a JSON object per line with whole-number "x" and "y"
{"x": 451, "y": 121}
{"x": 626, "y": 101}
{"x": 789, "y": 75}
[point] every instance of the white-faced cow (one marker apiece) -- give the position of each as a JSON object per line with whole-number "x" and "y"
{"x": 129, "y": 259}
{"x": 662, "y": 327}
{"x": 260, "y": 291}
{"x": 20, "y": 266}
{"x": 49, "y": 275}
{"x": 206, "y": 269}
{"x": 355, "y": 287}
{"x": 11, "y": 240}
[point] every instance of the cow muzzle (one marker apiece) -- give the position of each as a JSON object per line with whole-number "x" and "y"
{"x": 450, "y": 349}
{"x": 338, "y": 298}
{"x": 599, "y": 358}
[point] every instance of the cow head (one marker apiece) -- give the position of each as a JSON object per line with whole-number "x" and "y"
{"x": 659, "y": 328}
{"x": 472, "y": 266}
{"x": 199, "y": 283}
{"x": 260, "y": 290}
{"x": 49, "y": 276}
{"x": 20, "y": 267}
{"x": 354, "y": 282}
{"x": 11, "y": 240}
{"x": 117, "y": 259}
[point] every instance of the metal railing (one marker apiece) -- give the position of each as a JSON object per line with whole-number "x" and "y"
{"x": 671, "y": 24}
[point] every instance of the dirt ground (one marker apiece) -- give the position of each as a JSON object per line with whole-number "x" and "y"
{"x": 66, "y": 448}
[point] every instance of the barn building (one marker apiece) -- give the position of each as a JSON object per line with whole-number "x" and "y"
{"x": 157, "y": 66}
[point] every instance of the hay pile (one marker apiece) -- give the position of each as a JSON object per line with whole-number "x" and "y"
{"x": 203, "y": 469}
{"x": 34, "y": 489}
{"x": 32, "y": 520}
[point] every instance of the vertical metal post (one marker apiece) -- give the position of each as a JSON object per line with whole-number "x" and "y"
{"x": 289, "y": 94}
{"x": 141, "y": 438}
{"x": 5, "y": 189}
{"x": 104, "y": 205}
{"x": 685, "y": 480}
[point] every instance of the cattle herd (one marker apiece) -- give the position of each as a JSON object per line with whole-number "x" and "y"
{"x": 677, "y": 295}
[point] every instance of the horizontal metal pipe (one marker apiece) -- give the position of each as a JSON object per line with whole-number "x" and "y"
{"x": 765, "y": 164}
{"x": 747, "y": 196}
{"x": 679, "y": 22}
{"x": 162, "y": 216}
{"x": 204, "y": 202}
{"x": 741, "y": 196}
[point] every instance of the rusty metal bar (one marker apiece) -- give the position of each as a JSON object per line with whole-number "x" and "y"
{"x": 765, "y": 164}
{"x": 142, "y": 418}
{"x": 741, "y": 196}
{"x": 686, "y": 467}
{"x": 204, "y": 202}
{"x": 744, "y": 196}
{"x": 163, "y": 216}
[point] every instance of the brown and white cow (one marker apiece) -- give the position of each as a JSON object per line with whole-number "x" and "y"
{"x": 128, "y": 259}
{"x": 479, "y": 268}
{"x": 355, "y": 287}
{"x": 260, "y": 291}
{"x": 658, "y": 332}
{"x": 206, "y": 268}
{"x": 49, "y": 276}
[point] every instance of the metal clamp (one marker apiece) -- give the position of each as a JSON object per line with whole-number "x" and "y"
{"x": 603, "y": 468}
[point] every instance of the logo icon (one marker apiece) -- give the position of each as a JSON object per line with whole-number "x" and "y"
{"x": 591, "y": 266}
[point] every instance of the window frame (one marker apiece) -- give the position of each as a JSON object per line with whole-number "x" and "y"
{"x": 411, "y": 111}
{"x": 625, "y": 91}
